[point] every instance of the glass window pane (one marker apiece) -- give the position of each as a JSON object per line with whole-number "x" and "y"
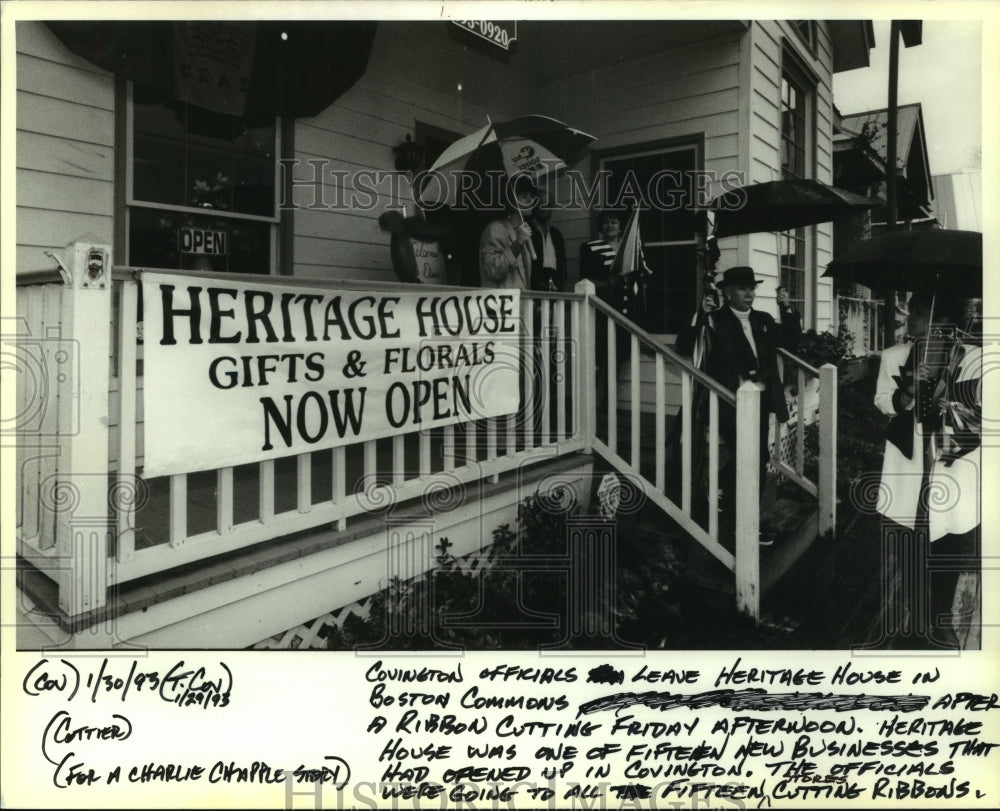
{"x": 665, "y": 180}
{"x": 217, "y": 163}
{"x": 670, "y": 291}
{"x": 179, "y": 240}
{"x": 662, "y": 182}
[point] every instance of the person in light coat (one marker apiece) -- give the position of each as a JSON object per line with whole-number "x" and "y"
{"x": 505, "y": 249}
{"x": 931, "y": 467}
{"x": 953, "y": 506}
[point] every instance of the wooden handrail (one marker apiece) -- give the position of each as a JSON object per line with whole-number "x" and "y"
{"x": 866, "y": 301}
{"x": 784, "y": 353}
{"x": 652, "y": 343}
{"x": 32, "y": 277}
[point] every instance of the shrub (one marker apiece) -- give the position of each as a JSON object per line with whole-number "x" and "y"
{"x": 509, "y": 608}
{"x": 426, "y": 612}
{"x": 817, "y": 348}
{"x": 860, "y": 438}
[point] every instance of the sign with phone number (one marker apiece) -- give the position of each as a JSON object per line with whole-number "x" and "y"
{"x": 499, "y": 32}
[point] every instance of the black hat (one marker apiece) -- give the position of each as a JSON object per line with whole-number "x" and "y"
{"x": 741, "y": 275}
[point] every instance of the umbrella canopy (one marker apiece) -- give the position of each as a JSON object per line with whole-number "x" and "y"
{"x": 535, "y": 145}
{"x": 250, "y": 70}
{"x": 780, "y": 205}
{"x": 931, "y": 260}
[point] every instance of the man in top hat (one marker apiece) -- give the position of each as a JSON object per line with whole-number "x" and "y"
{"x": 744, "y": 347}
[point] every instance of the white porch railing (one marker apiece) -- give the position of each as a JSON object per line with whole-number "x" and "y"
{"x": 118, "y": 527}
{"x": 289, "y": 495}
{"x": 355, "y": 479}
{"x": 824, "y": 488}
{"x": 700, "y": 520}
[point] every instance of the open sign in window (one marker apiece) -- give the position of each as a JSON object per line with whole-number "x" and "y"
{"x": 201, "y": 190}
{"x": 203, "y": 241}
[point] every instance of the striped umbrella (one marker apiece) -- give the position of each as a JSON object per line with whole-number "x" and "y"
{"x": 532, "y": 145}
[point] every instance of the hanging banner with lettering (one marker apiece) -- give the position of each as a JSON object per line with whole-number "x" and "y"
{"x": 240, "y": 372}
{"x": 213, "y": 62}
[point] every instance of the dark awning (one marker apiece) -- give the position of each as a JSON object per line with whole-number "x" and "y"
{"x": 250, "y": 70}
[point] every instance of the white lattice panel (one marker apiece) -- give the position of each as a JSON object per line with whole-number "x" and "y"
{"x": 312, "y": 635}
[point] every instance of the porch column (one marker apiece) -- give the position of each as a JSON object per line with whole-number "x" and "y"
{"x": 748, "y": 499}
{"x": 586, "y": 406}
{"x": 78, "y": 493}
{"x": 827, "y": 484}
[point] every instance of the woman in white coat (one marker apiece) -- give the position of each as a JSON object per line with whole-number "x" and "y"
{"x": 931, "y": 468}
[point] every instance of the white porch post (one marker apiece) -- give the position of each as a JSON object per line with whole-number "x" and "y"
{"x": 79, "y": 495}
{"x": 586, "y": 340}
{"x": 748, "y": 499}
{"x": 827, "y": 484}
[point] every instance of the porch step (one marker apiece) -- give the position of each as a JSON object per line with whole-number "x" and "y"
{"x": 794, "y": 525}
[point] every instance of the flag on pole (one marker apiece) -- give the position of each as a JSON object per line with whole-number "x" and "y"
{"x": 629, "y": 258}
{"x": 701, "y": 345}
{"x": 629, "y": 270}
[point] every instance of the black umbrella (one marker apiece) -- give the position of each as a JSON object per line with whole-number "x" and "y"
{"x": 935, "y": 259}
{"x": 249, "y": 70}
{"x": 780, "y": 205}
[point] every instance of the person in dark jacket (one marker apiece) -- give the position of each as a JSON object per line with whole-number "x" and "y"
{"x": 598, "y": 255}
{"x": 596, "y": 260}
{"x": 744, "y": 347}
{"x": 548, "y": 263}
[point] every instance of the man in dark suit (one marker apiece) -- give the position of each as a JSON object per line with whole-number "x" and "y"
{"x": 744, "y": 347}
{"x": 548, "y": 262}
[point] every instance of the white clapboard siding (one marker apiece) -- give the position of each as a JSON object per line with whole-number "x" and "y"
{"x": 354, "y": 225}
{"x": 334, "y": 252}
{"x": 34, "y": 257}
{"x": 84, "y": 195}
{"x": 657, "y": 78}
{"x": 398, "y": 49}
{"x": 438, "y": 106}
{"x": 63, "y": 157}
{"x": 769, "y": 39}
{"x": 359, "y": 132}
{"x": 326, "y": 272}
{"x": 343, "y": 148}
{"x": 65, "y": 142}
{"x": 825, "y": 310}
{"x": 68, "y": 78}
{"x": 52, "y": 227}
{"x": 724, "y": 149}
{"x": 683, "y": 91}
{"x": 67, "y": 119}
{"x": 340, "y": 188}
{"x": 647, "y": 385}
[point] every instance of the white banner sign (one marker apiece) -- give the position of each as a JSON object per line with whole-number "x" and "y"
{"x": 239, "y": 372}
